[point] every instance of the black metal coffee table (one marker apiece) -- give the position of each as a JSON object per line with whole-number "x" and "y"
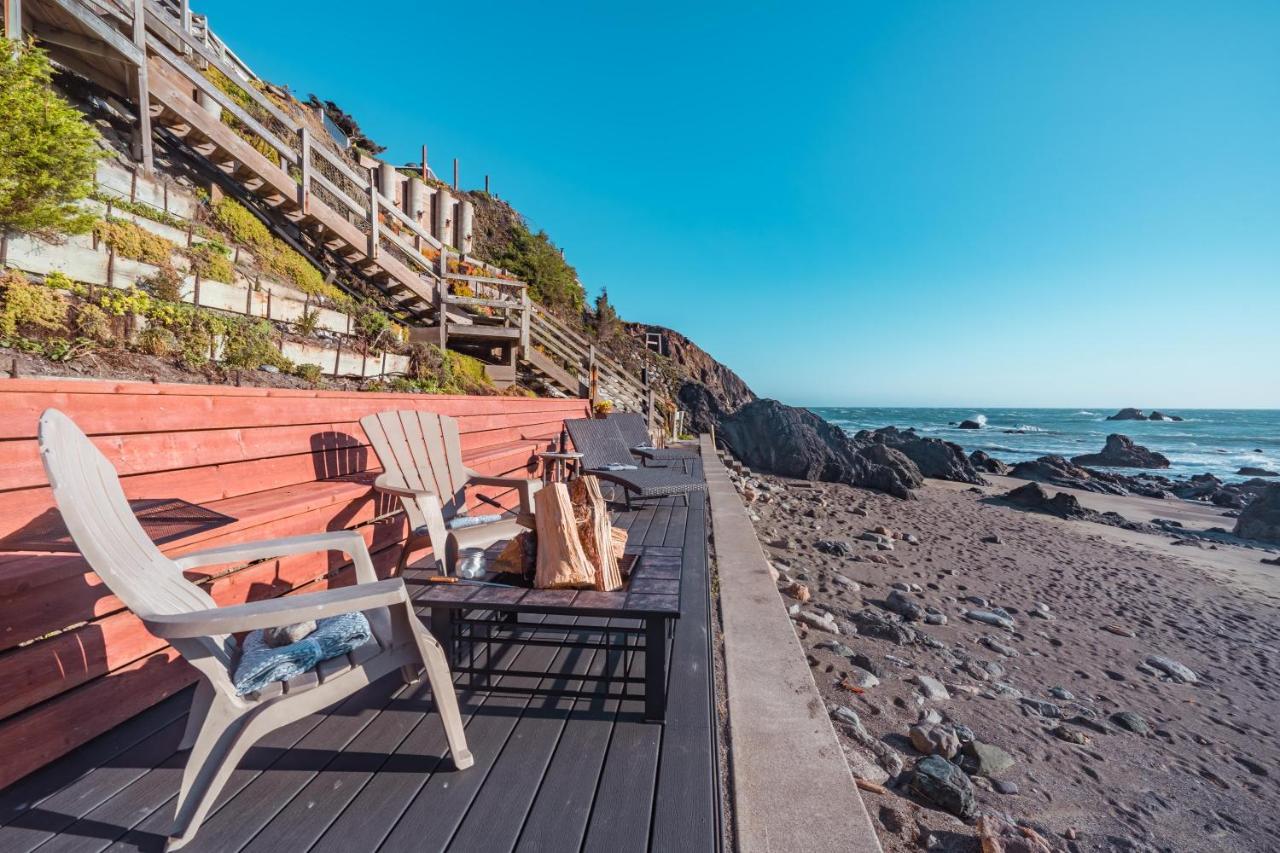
{"x": 474, "y": 615}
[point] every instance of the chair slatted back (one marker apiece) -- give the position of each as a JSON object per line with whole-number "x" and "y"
{"x": 632, "y": 425}
{"x": 87, "y": 492}
{"x": 420, "y": 450}
{"x": 599, "y": 442}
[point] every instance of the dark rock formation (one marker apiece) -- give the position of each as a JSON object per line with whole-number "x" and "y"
{"x": 1261, "y": 518}
{"x": 1250, "y": 471}
{"x": 698, "y": 376}
{"x": 1032, "y": 496}
{"x": 987, "y": 464}
{"x": 935, "y": 458}
{"x": 1057, "y": 471}
{"x": 970, "y": 425}
{"x": 943, "y": 784}
{"x": 766, "y": 435}
{"x": 1161, "y": 416}
{"x": 1128, "y": 415}
{"x": 703, "y": 409}
{"x": 1121, "y": 452}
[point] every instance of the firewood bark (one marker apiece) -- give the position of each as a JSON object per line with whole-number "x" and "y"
{"x": 595, "y": 532}
{"x": 561, "y": 561}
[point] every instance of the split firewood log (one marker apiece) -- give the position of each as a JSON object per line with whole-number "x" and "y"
{"x": 595, "y": 532}
{"x": 561, "y": 564}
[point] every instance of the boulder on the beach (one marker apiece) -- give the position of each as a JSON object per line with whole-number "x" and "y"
{"x": 967, "y": 424}
{"x": 766, "y": 435}
{"x": 981, "y": 461}
{"x": 1033, "y": 496}
{"x": 1261, "y": 518}
{"x": 942, "y": 460}
{"x": 1058, "y": 471}
{"x": 1121, "y": 452}
{"x": 1251, "y": 471}
{"x": 1128, "y": 415}
{"x": 941, "y": 783}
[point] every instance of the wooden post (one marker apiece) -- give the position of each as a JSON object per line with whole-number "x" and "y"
{"x": 13, "y": 19}
{"x": 373, "y": 219}
{"x": 140, "y": 83}
{"x": 425, "y": 170}
{"x": 486, "y": 184}
{"x": 304, "y": 189}
{"x": 593, "y": 377}
{"x": 455, "y": 174}
{"x": 525, "y": 319}
{"x": 442, "y": 317}
{"x": 185, "y": 17}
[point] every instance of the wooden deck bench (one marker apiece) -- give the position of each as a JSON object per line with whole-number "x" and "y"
{"x": 275, "y": 463}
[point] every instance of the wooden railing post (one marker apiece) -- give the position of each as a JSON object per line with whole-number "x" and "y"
{"x": 442, "y": 293}
{"x": 593, "y": 376}
{"x": 13, "y": 19}
{"x": 304, "y": 189}
{"x": 525, "y": 319}
{"x": 373, "y": 219}
{"x": 141, "y": 87}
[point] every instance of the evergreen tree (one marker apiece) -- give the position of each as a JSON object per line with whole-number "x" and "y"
{"x": 48, "y": 152}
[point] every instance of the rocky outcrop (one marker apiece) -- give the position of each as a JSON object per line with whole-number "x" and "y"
{"x": 935, "y": 458}
{"x": 987, "y": 464}
{"x": 1033, "y": 496}
{"x": 1121, "y": 452}
{"x": 1138, "y": 415}
{"x": 970, "y": 425}
{"x": 700, "y": 377}
{"x": 1250, "y": 471}
{"x": 766, "y": 435}
{"x": 1057, "y": 471}
{"x": 1261, "y": 518}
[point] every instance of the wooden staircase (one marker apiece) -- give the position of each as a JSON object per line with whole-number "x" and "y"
{"x": 317, "y": 198}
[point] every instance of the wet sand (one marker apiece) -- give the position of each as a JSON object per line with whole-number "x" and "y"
{"x": 1204, "y": 776}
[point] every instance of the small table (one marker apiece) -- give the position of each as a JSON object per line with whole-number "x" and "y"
{"x": 651, "y": 595}
{"x": 557, "y": 467}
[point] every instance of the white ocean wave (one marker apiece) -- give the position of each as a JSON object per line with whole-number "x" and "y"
{"x": 1083, "y": 412}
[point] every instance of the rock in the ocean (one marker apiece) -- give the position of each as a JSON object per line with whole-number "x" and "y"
{"x": 1128, "y": 415}
{"x": 1129, "y": 721}
{"x": 1176, "y": 671}
{"x": 1161, "y": 416}
{"x": 766, "y": 435}
{"x": 987, "y": 464}
{"x": 967, "y": 424}
{"x": 1121, "y": 452}
{"x": 943, "y": 784}
{"x": 985, "y": 759}
{"x": 933, "y": 457}
{"x": 1250, "y": 471}
{"x": 1261, "y": 518}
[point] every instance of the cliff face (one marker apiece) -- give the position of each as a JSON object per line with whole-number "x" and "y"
{"x": 708, "y": 390}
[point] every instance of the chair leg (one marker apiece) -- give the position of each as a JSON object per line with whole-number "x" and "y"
{"x": 196, "y": 716}
{"x": 223, "y": 741}
{"x": 442, "y": 690}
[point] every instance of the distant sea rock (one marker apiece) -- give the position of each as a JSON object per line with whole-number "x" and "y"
{"x": 769, "y": 436}
{"x": 1138, "y": 415}
{"x": 1128, "y": 415}
{"x": 1261, "y": 518}
{"x": 970, "y": 425}
{"x": 942, "y": 460}
{"x": 1121, "y": 452}
{"x": 1250, "y": 471}
{"x": 987, "y": 464}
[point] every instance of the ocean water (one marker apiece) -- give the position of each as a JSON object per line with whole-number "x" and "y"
{"x": 1215, "y": 441}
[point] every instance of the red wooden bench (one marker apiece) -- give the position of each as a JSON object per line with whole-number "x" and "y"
{"x": 73, "y": 662}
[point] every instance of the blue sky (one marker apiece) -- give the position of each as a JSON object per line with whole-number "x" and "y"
{"x": 899, "y": 203}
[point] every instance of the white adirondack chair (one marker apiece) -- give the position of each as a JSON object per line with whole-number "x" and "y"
{"x": 222, "y": 726}
{"x": 421, "y": 457}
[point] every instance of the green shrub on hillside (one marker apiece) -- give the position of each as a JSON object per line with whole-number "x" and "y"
{"x": 243, "y": 227}
{"x": 536, "y": 260}
{"x": 133, "y": 241}
{"x": 48, "y": 152}
{"x": 27, "y": 308}
{"x": 212, "y": 260}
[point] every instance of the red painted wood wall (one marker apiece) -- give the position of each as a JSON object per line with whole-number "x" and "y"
{"x": 73, "y": 662}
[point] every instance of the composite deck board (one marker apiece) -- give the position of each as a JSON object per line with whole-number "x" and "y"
{"x": 372, "y": 773}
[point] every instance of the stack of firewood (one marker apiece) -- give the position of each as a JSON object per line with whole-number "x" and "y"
{"x": 575, "y": 545}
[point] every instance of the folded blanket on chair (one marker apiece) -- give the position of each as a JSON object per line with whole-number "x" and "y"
{"x": 261, "y": 664}
{"x": 458, "y": 522}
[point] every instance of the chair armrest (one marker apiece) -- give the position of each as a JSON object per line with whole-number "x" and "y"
{"x": 347, "y": 541}
{"x": 236, "y": 618}
{"x": 525, "y": 486}
{"x": 382, "y": 484}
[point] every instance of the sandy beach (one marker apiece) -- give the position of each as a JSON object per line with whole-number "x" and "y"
{"x": 1105, "y": 748}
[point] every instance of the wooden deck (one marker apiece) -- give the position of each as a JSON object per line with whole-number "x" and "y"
{"x": 371, "y": 774}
